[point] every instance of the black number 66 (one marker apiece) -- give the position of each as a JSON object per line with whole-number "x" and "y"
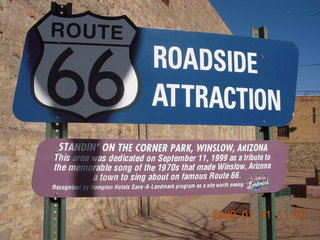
{"x": 95, "y": 77}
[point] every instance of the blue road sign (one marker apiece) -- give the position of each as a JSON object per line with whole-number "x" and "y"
{"x": 89, "y": 68}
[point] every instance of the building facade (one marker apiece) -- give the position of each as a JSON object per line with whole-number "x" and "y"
{"x": 301, "y": 135}
{"x": 305, "y": 123}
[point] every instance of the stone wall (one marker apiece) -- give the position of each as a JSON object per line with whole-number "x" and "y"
{"x": 303, "y": 154}
{"x": 21, "y": 211}
{"x": 303, "y": 141}
{"x": 305, "y": 123}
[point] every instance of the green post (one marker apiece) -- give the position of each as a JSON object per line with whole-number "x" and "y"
{"x": 143, "y": 135}
{"x": 54, "y": 224}
{"x": 54, "y": 220}
{"x": 266, "y": 201}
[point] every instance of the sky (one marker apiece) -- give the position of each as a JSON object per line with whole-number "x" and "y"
{"x": 297, "y": 21}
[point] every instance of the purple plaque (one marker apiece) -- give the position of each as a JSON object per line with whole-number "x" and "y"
{"x": 116, "y": 168}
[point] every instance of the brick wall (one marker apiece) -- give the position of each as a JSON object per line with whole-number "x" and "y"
{"x": 305, "y": 123}
{"x": 20, "y": 209}
{"x": 303, "y": 141}
{"x": 303, "y": 154}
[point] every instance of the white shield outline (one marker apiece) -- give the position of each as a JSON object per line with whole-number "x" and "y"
{"x": 79, "y": 56}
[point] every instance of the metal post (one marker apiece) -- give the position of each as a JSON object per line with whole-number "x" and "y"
{"x": 266, "y": 201}
{"x": 143, "y": 134}
{"x": 54, "y": 222}
{"x": 54, "y": 225}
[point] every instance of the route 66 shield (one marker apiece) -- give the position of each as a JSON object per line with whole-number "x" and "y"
{"x": 85, "y": 65}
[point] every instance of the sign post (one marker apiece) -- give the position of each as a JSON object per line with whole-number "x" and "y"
{"x": 55, "y": 208}
{"x": 266, "y": 201}
{"x": 145, "y": 202}
{"x": 54, "y": 223}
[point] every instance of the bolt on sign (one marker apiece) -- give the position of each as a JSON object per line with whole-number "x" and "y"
{"x": 90, "y": 68}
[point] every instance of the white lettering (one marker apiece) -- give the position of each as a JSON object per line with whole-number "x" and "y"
{"x": 202, "y": 58}
{"x": 202, "y": 97}
{"x": 159, "y": 53}
{"x": 190, "y": 59}
{"x": 175, "y": 53}
{"x": 160, "y": 96}
{"x": 208, "y": 53}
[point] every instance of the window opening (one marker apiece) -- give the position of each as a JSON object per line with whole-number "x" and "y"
{"x": 283, "y": 131}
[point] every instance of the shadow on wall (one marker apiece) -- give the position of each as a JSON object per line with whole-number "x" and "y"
{"x": 174, "y": 226}
{"x": 112, "y": 211}
{"x": 191, "y": 225}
